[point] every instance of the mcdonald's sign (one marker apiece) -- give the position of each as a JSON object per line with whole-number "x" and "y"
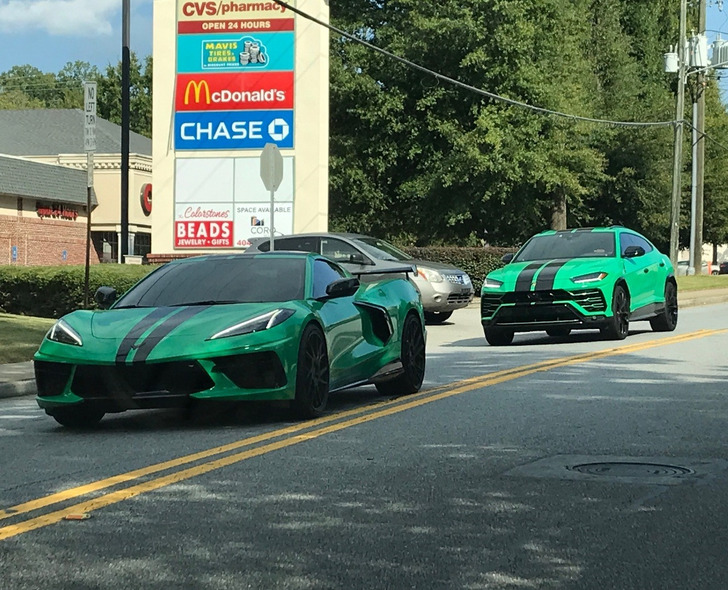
{"x": 234, "y": 92}
{"x": 196, "y": 87}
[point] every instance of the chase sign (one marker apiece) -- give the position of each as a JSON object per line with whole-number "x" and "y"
{"x": 235, "y": 130}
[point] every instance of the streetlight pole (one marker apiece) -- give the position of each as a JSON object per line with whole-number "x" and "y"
{"x": 699, "y": 161}
{"x": 693, "y": 190}
{"x": 125, "y": 67}
{"x": 678, "y": 139}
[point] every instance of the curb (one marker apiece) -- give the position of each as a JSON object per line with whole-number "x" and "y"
{"x": 17, "y": 388}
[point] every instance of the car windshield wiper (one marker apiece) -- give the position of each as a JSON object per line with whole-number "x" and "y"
{"x": 204, "y": 302}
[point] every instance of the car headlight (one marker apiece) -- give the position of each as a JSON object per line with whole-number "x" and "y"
{"x": 492, "y": 283}
{"x": 592, "y": 277}
{"x": 256, "y": 324}
{"x": 429, "y": 275}
{"x": 63, "y": 333}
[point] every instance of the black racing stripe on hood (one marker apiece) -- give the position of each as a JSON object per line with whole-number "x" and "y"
{"x": 547, "y": 276}
{"x": 136, "y": 332}
{"x": 163, "y": 330}
{"x": 523, "y": 282}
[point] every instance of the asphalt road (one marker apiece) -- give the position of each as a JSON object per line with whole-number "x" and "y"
{"x": 583, "y": 464}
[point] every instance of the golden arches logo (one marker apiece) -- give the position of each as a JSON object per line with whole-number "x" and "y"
{"x": 197, "y": 87}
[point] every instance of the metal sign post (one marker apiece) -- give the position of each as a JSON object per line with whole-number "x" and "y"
{"x": 89, "y": 145}
{"x": 271, "y": 173}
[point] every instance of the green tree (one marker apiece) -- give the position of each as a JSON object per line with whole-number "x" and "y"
{"x": 715, "y": 189}
{"x": 418, "y": 159}
{"x": 37, "y": 86}
{"x": 70, "y": 82}
{"x": 17, "y": 99}
{"x": 140, "y": 95}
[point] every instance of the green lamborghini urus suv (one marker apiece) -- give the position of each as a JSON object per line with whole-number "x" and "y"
{"x": 587, "y": 278}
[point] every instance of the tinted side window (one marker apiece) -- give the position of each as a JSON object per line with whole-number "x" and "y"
{"x": 642, "y": 242}
{"x": 626, "y": 240}
{"x": 298, "y": 244}
{"x": 337, "y": 250}
{"x": 324, "y": 274}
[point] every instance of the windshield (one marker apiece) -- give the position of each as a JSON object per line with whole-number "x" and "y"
{"x": 381, "y": 250}
{"x": 218, "y": 280}
{"x": 578, "y": 244}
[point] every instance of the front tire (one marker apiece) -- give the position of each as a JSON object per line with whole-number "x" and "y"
{"x": 312, "y": 374}
{"x": 76, "y": 417}
{"x": 413, "y": 361}
{"x": 666, "y": 321}
{"x": 498, "y": 336}
{"x": 437, "y": 317}
{"x": 618, "y": 326}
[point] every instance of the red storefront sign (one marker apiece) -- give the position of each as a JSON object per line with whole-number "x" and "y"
{"x": 236, "y": 26}
{"x": 234, "y": 92}
{"x": 203, "y": 234}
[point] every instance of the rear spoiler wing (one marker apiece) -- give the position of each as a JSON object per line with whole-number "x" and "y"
{"x": 404, "y": 269}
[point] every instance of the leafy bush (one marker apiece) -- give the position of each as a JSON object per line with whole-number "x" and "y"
{"x": 477, "y": 262}
{"x": 53, "y": 291}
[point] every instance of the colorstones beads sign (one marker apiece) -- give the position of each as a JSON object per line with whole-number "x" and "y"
{"x": 222, "y": 202}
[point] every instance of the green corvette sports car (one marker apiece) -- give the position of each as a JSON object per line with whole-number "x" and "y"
{"x": 274, "y": 326}
{"x": 559, "y": 281}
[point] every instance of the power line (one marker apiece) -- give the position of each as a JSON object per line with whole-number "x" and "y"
{"x": 455, "y": 82}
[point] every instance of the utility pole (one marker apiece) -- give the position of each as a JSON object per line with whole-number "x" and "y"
{"x": 699, "y": 163}
{"x": 125, "y": 67}
{"x": 678, "y": 139}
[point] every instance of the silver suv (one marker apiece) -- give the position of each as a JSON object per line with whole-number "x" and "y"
{"x": 443, "y": 287}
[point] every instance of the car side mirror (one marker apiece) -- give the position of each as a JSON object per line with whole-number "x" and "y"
{"x": 507, "y": 257}
{"x": 105, "y": 297}
{"x": 359, "y": 258}
{"x": 342, "y": 288}
{"x": 634, "y": 251}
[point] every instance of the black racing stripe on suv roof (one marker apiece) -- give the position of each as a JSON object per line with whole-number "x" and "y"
{"x": 523, "y": 282}
{"x": 547, "y": 275}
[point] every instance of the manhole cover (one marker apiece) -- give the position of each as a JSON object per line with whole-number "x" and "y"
{"x": 625, "y": 469}
{"x": 649, "y": 471}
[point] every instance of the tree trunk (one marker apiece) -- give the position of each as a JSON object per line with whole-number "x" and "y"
{"x": 558, "y": 213}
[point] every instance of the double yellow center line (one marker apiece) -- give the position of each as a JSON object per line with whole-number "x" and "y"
{"x": 222, "y": 456}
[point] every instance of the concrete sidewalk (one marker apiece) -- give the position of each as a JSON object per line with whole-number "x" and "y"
{"x": 18, "y": 379}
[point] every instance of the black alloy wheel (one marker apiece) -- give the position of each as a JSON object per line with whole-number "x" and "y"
{"x": 413, "y": 361}
{"x": 312, "y": 374}
{"x": 498, "y": 336}
{"x": 77, "y": 416}
{"x": 437, "y": 317}
{"x": 666, "y": 320}
{"x": 558, "y": 332}
{"x": 618, "y": 326}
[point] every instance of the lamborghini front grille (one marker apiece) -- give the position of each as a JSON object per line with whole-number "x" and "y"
{"x": 591, "y": 300}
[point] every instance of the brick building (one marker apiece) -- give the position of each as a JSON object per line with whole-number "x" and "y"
{"x": 55, "y": 136}
{"x": 43, "y": 213}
